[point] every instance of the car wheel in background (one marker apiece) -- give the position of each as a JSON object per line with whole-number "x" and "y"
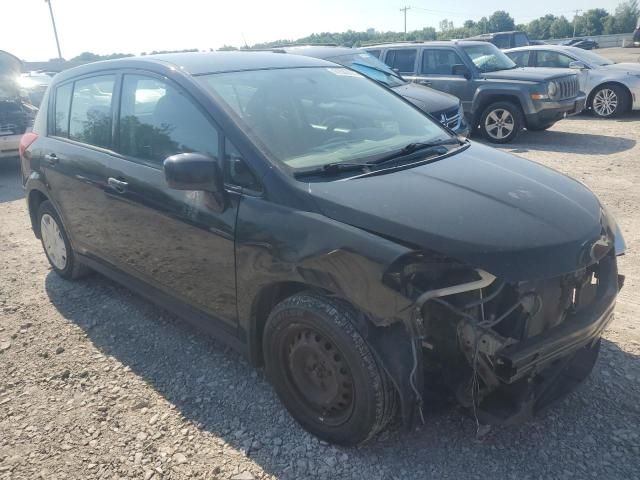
{"x": 501, "y": 122}
{"x": 609, "y": 101}
{"x": 56, "y": 243}
{"x": 324, "y": 371}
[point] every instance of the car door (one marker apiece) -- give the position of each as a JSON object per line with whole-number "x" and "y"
{"x": 75, "y": 154}
{"x": 437, "y": 68}
{"x": 521, "y": 58}
{"x": 181, "y": 242}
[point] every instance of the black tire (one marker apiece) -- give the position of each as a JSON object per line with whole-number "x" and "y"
{"x": 514, "y": 119}
{"x": 540, "y": 128}
{"x": 324, "y": 372}
{"x": 72, "y": 268}
{"x": 603, "y": 97}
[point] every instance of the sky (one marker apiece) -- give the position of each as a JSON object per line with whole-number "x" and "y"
{"x": 135, "y": 26}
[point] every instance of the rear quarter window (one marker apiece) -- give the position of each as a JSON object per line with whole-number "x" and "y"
{"x": 61, "y": 116}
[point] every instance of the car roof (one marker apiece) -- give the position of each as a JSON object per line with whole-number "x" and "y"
{"x": 196, "y": 63}
{"x": 319, "y": 51}
{"x": 435, "y": 43}
{"x": 556, "y": 48}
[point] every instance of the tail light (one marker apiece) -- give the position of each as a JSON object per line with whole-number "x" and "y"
{"x": 26, "y": 141}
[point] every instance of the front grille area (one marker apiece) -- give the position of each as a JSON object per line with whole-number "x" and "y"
{"x": 568, "y": 87}
{"x": 449, "y": 118}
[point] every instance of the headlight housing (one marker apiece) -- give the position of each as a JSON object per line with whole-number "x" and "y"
{"x": 552, "y": 89}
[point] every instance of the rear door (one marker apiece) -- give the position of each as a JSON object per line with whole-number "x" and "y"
{"x": 436, "y": 67}
{"x": 181, "y": 242}
{"x": 403, "y": 61}
{"x": 76, "y": 152}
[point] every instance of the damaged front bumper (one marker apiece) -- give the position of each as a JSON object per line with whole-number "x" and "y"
{"x": 505, "y": 367}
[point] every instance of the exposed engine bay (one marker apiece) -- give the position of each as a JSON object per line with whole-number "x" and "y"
{"x": 16, "y": 113}
{"x": 507, "y": 350}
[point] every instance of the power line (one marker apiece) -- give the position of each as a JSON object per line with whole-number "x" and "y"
{"x": 405, "y": 19}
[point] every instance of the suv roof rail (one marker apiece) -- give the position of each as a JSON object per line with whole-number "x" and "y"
{"x": 373, "y": 44}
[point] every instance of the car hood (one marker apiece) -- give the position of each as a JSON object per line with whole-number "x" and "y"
{"x": 427, "y": 99}
{"x": 633, "y": 68}
{"x": 529, "y": 74}
{"x": 511, "y": 217}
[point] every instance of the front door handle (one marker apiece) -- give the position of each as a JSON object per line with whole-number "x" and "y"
{"x": 51, "y": 158}
{"x": 119, "y": 186}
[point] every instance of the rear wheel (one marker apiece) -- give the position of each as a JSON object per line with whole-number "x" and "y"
{"x": 324, "y": 372}
{"x": 501, "y": 122}
{"x": 56, "y": 244}
{"x": 609, "y": 101}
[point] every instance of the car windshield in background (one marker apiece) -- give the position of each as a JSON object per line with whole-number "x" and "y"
{"x": 370, "y": 66}
{"x": 310, "y": 117}
{"x": 488, "y": 58}
{"x": 590, "y": 58}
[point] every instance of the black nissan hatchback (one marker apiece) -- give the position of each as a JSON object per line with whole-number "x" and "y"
{"x": 329, "y": 230}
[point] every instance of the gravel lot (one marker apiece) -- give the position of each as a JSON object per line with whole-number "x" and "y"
{"x": 96, "y": 382}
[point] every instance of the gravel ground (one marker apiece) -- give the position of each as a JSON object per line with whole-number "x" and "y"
{"x": 96, "y": 382}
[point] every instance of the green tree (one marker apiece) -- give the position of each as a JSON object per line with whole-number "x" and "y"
{"x": 501, "y": 21}
{"x": 590, "y": 22}
{"x": 626, "y": 16}
{"x": 560, "y": 28}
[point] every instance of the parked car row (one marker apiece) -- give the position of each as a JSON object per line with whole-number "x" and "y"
{"x": 332, "y": 231}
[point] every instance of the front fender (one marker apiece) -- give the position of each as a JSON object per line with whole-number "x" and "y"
{"x": 485, "y": 92}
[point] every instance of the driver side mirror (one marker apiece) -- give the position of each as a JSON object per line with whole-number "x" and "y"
{"x": 578, "y": 65}
{"x": 193, "y": 171}
{"x": 460, "y": 70}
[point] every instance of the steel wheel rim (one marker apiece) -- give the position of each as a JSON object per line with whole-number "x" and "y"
{"x": 499, "y": 124}
{"x": 605, "y": 102}
{"x": 53, "y": 241}
{"x": 318, "y": 375}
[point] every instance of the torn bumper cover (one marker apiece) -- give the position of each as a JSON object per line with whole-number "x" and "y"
{"x": 523, "y": 345}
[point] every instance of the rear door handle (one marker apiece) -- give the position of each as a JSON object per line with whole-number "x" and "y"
{"x": 51, "y": 158}
{"x": 119, "y": 186}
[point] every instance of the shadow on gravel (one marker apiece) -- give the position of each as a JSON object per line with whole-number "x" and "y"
{"x": 218, "y": 391}
{"x": 10, "y": 183}
{"x": 568, "y": 142}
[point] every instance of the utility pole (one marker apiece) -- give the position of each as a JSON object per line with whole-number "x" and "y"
{"x": 405, "y": 19}
{"x": 55, "y": 31}
{"x": 575, "y": 19}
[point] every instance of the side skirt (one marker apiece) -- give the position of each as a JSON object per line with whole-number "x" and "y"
{"x": 204, "y": 322}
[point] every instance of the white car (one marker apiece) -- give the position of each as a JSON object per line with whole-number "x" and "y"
{"x": 16, "y": 115}
{"x": 611, "y": 88}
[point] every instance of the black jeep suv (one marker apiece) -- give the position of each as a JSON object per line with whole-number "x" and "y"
{"x": 498, "y": 98}
{"x": 327, "y": 229}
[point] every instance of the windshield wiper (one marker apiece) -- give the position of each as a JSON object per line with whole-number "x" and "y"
{"x": 334, "y": 168}
{"x": 436, "y": 147}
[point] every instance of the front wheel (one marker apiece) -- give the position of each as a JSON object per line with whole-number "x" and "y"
{"x": 609, "y": 101}
{"x": 501, "y": 122}
{"x": 324, "y": 371}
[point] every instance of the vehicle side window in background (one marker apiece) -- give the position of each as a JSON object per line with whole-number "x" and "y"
{"x": 520, "y": 40}
{"x": 62, "y": 104}
{"x": 236, "y": 171}
{"x": 375, "y": 53}
{"x": 520, "y": 58}
{"x": 157, "y": 121}
{"x": 90, "y": 120}
{"x": 402, "y": 60}
{"x": 552, "y": 59}
{"x": 439, "y": 61}
{"x": 501, "y": 41}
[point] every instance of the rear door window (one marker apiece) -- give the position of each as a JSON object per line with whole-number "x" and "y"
{"x": 520, "y": 40}
{"x": 520, "y": 58}
{"x": 62, "y": 104}
{"x": 91, "y": 111}
{"x": 546, "y": 58}
{"x": 439, "y": 61}
{"x": 157, "y": 120}
{"x": 501, "y": 41}
{"x": 404, "y": 61}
